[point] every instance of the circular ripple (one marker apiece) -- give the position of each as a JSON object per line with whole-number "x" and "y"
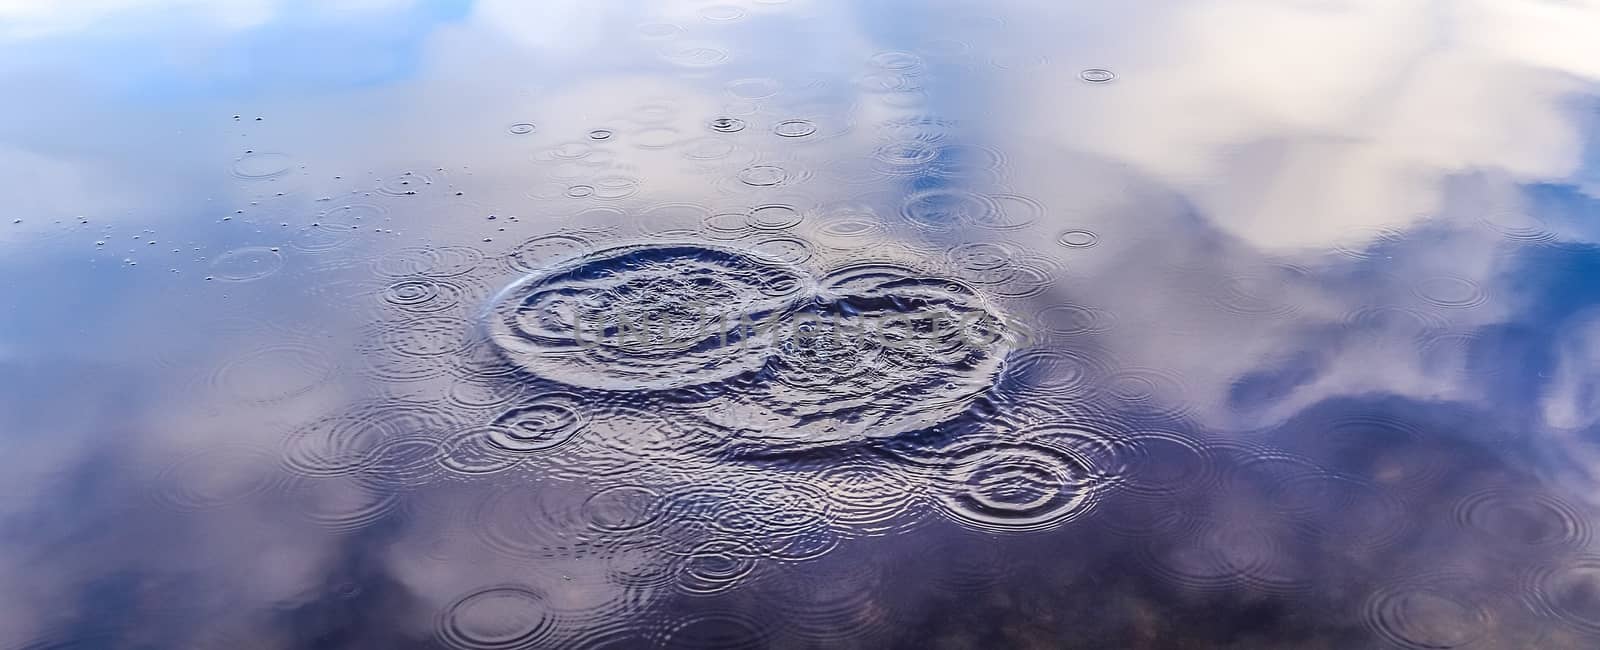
{"x": 345, "y": 443}
{"x": 218, "y": 477}
{"x": 642, "y": 317}
{"x": 262, "y": 165}
{"x": 1429, "y": 612}
{"x": 325, "y": 236}
{"x": 1018, "y": 486}
{"x": 727, "y": 125}
{"x": 498, "y": 618}
{"x": 404, "y": 184}
{"x": 540, "y": 252}
{"x": 1570, "y": 592}
{"x": 275, "y": 373}
{"x": 550, "y": 422}
{"x": 1523, "y": 522}
{"x": 1097, "y": 75}
{"x": 623, "y": 509}
{"x": 795, "y": 128}
{"x": 763, "y": 175}
{"x": 424, "y": 295}
{"x": 521, "y": 128}
{"x": 945, "y": 209}
{"x": 722, "y": 630}
{"x": 1451, "y": 292}
{"x": 1077, "y": 239}
{"x": 247, "y": 264}
{"x": 716, "y": 566}
{"x": 1067, "y": 321}
{"x": 432, "y": 261}
{"x": 774, "y": 217}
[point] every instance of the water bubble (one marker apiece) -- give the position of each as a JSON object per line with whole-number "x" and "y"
{"x": 794, "y": 128}
{"x": 522, "y": 128}
{"x": 247, "y": 264}
{"x": 498, "y": 618}
{"x": 1097, "y": 75}
{"x": 404, "y": 184}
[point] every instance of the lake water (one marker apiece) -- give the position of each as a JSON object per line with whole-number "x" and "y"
{"x": 790, "y": 324}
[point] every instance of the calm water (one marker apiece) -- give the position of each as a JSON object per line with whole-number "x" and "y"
{"x": 502, "y": 324}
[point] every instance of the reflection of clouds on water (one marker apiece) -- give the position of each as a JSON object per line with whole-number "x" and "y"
{"x": 1287, "y": 336}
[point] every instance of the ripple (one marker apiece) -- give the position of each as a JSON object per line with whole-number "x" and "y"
{"x": 722, "y": 630}
{"x": 498, "y": 618}
{"x": 420, "y": 348}
{"x": 727, "y": 125}
{"x": 1068, "y": 320}
{"x": 656, "y": 137}
{"x": 1519, "y": 227}
{"x": 218, "y": 477}
{"x": 763, "y": 175}
{"x": 1097, "y": 75}
{"x": 345, "y": 443}
{"x": 794, "y": 128}
{"x": 716, "y": 566}
{"x": 538, "y": 253}
{"x": 774, "y": 217}
{"x": 404, "y": 184}
{"x": 1224, "y": 558}
{"x": 1164, "y": 464}
{"x": 1347, "y": 512}
{"x": 1429, "y": 612}
{"x": 872, "y": 498}
{"x": 425, "y": 295}
{"x": 905, "y": 157}
{"x": 880, "y": 354}
{"x": 623, "y": 509}
{"x": 754, "y": 88}
{"x": 523, "y": 523}
{"x": 1272, "y": 293}
{"x": 325, "y": 236}
{"x": 1570, "y": 592}
{"x": 431, "y": 261}
{"x": 256, "y": 166}
{"x": 833, "y": 602}
{"x": 1451, "y": 292}
{"x": 521, "y": 128}
{"x": 1056, "y": 373}
{"x": 1013, "y": 212}
{"x": 945, "y": 209}
{"x": 1013, "y": 487}
{"x": 674, "y": 301}
{"x": 247, "y": 264}
{"x": 1521, "y": 522}
{"x": 275, "y": 373}
{"x": 343, "y": 503}
{"x": 1077, "y": 238}
{"x": 551, "y": 421}
{"x": 695, "y": 54}
{"x": 603, "y": 134}
{"x": 783, "y": 250}
{"x": 767, "y": 508}
{"x": 484, "y": 393}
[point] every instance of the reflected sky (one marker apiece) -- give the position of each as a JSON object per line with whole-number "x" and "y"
{"x": 1300, "y": 300}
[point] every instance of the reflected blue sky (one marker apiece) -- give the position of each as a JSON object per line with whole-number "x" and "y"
{"x": 1315, "y": 278}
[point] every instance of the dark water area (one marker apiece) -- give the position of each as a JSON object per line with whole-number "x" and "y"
{"x": 788, "y": 324}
